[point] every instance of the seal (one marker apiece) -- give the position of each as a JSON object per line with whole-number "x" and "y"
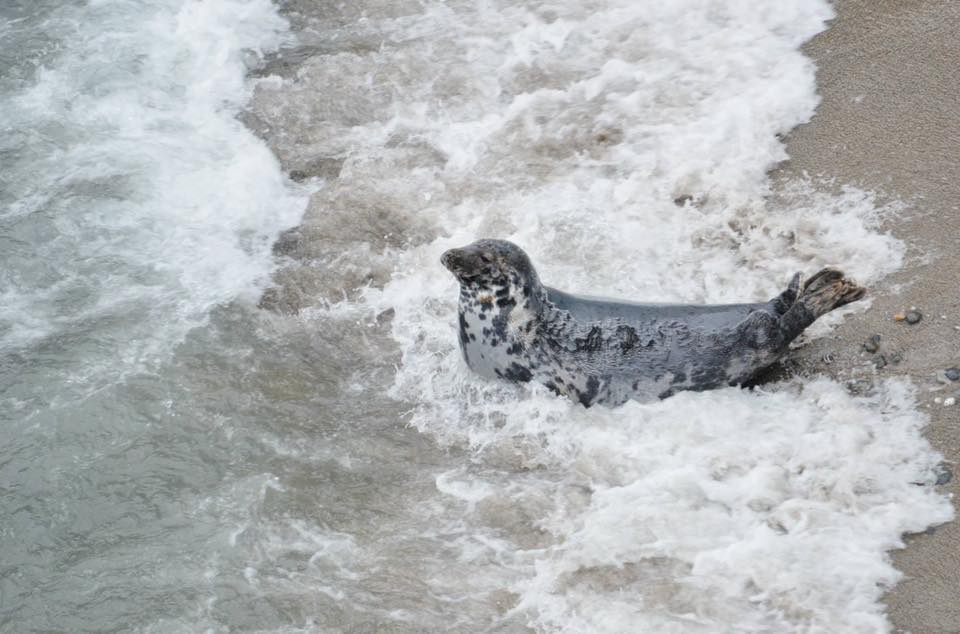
{"x": 609, "y": 351}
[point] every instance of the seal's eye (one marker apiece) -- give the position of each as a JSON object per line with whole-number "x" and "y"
{"x": 490, "y": 264}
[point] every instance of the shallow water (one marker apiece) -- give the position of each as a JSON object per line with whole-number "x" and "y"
{"x": 182, "y": 456}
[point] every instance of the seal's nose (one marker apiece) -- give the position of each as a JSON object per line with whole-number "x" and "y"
{"x": 452, "y": 259}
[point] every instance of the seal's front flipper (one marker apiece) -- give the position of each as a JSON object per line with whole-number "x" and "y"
{"x": 782, "y": 302}
{"x": 823, "y": 292}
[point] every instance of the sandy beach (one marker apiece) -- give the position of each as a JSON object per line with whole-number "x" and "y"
{"x": 888, "y": 122}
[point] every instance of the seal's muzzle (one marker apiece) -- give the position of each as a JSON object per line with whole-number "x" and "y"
{"x": 452, "y": 259}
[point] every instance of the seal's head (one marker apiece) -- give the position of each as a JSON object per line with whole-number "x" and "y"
{"x": 490, "y": 265}
{"x": 500, "y": 305}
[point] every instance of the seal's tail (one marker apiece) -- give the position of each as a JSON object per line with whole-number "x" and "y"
{"x": 823, "y": 292}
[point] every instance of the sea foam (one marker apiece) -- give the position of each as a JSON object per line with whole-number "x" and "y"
{"x": 137, "y": 200}
{"x": 626, "y": 147}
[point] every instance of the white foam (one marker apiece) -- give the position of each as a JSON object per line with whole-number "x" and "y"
{"x": 146, "y": 196}
{"x": 626, "y": 146}
{"x": 769, "y": 511}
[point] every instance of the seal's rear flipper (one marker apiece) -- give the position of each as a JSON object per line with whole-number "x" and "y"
{"x": 782, "y": 302}
{"x": 823, "y": 292}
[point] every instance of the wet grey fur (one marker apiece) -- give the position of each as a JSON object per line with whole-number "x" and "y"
{"x": 609, "y": 351}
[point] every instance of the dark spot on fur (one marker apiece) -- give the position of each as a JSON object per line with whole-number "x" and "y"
{"x": 628, "y": 337}
{"x": 518, "y": 373}
{"x": 500, "y": 325}
{"x": 506, "y": 301}
{"x": 593, "y": 386}
{"x": 514, "y": 348}
{"x": 586, "y": 397}
{"x": 553, "y": 388}
{"x": 463, "y": 338}
{"x": 592, "y": 342}
{"x": 481, "y": 316}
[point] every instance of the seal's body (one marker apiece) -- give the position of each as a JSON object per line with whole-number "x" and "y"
{"x": 608, "y": 351}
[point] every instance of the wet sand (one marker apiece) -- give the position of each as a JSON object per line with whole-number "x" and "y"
{"x": 890, "y": 122}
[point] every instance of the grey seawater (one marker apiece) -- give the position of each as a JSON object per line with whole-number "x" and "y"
{"x": 199, "y": 368}
{"x": 175, "y": 459}
{"x": 234, "y": 487}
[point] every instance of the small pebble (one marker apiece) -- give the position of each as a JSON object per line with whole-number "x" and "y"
{"x": 953, "y": 374}
{"x": 938, "y": 400}
{"x": 947, "y": 402}
{"x": 944, "y": 476}
{"x": 914, "y": 316}
{"x": 858, "y": 387}
{"x": 881, "y": 362}
{"x": 899, "y": 317}
{"x": 872, "y": 344}
{"x": 896, "y": 358}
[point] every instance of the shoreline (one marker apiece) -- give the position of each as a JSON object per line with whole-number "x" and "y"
{"x": 886, "y": 123}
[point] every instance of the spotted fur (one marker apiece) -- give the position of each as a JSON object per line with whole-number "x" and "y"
{"x": 605, "y": 351}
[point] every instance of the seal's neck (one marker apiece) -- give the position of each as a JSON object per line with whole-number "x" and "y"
{"x": 505, "y": 313}
{"x": 503, "y": 299}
